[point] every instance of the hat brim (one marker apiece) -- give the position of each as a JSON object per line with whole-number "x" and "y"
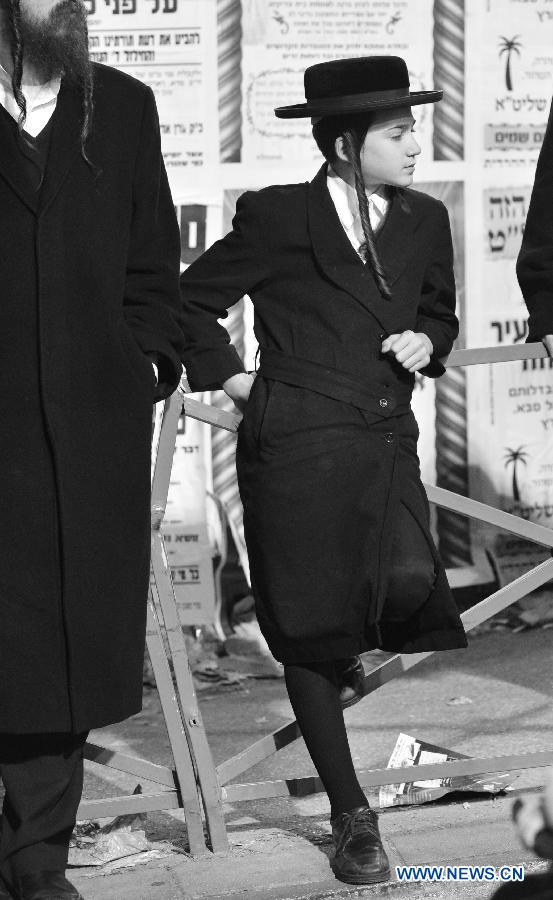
{"x": 338, "y": 106}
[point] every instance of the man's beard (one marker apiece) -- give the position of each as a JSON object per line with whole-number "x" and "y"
{"x": 58, "y": 44}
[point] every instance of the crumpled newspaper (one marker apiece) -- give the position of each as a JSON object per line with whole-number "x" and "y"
{"x": 410, "y": 751}
{"x": 95, "y": 845}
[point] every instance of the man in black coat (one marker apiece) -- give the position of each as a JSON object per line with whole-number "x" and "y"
{"x": 89, "y": 339}
{"x": 535, "y": 261}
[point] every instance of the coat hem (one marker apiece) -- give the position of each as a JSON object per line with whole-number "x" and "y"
{"x": 79, "y": 725}
{"x": 324, "y": 651}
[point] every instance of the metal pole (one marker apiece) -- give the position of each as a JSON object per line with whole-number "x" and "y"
{"x": 451, "y": 402}
{"x": 229, "y": 42}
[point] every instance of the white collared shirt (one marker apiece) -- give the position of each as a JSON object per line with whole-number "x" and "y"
{"x": 344, "y": 198}
{"x": 41, "y": 101}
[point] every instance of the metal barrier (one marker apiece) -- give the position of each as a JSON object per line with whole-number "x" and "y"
{"x": 194, "y": 770}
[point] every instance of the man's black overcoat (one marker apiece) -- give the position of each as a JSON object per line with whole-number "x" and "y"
{"x": 89, "y": 285}
{"x": 321, "y": 480}
{"x": 535, "y": 260}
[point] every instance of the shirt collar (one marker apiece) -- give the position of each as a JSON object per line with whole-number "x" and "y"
{"x": 35, "y": 94}
{"x": 345, "y": 198}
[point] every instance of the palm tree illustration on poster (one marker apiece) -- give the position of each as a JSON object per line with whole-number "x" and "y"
{"x": 513, "y": 458}
{"x": 508, "y": 47}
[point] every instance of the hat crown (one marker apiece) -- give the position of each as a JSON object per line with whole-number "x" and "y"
{"x": 359, "y": 75}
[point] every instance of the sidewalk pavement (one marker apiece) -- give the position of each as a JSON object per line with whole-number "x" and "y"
{"x": 279, "y": 848}
{"x": 287, "y": 858}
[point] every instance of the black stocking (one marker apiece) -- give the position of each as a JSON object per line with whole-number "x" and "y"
{"x": 315, "y": 699}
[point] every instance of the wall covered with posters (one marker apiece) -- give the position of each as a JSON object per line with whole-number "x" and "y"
{"x": 219, "y": 67}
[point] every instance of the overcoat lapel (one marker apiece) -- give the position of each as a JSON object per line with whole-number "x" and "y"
{"x": 340, "y": 262}
{"x": 64, "y": 150}
{"x": 65, "y": 145}
{"x": 12, "y": 166}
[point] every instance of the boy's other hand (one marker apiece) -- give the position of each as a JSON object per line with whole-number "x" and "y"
{"x": 412, "y": 349}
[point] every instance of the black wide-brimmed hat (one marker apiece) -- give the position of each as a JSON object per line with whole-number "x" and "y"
{"x": 356, "y": 85}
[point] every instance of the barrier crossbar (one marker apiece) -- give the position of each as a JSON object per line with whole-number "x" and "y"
{"x": 194, "y": 775}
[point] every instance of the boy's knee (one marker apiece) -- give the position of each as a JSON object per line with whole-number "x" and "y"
{"x": 409, "y": 588}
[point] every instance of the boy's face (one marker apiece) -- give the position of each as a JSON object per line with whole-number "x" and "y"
{"x": 389, "y": 151}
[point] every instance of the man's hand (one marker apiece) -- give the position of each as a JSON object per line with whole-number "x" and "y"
{"x": 534, "y": 820}
{"x": 412, "y": 349}
{"x": 548, "y": 341}
{"x": 530, "y": 819}
{"x": 238, "y": 388}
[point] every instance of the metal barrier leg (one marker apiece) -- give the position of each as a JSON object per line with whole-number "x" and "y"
{"x": 186, "y": 776}
{"x": 191, "y": 717}
{"x": 180, "y": 787}
{"x": 303, "y": 787}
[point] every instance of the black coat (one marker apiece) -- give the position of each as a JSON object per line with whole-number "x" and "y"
{"x": 89, "y": 275}
{"x": 535, "y": 260}
{"x": 321, "y": 478}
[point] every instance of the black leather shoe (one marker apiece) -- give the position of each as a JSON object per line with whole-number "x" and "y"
{"x": 351, "y": 677}
{"x": 360, "y": 857}
{"x": 47, "y": 886}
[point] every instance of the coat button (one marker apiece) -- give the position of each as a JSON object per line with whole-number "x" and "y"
{"x": 388, "y": 437}
{"x": 383, "y": 402}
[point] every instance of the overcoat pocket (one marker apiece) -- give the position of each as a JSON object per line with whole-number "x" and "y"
{"x": 138, "y": 363}
{"x": 265, "y": 412}
{"x": 256, "y": 409}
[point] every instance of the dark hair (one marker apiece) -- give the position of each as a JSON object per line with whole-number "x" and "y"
{"x": 353, "y": 129}
{"x": 12, "y": 9}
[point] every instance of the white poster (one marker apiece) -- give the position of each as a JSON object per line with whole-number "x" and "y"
{"x": 170, "y": 45}
{"x": 283, "y": 37}
{"x": 185, "y": 532}
{"x": 516, "y": 79}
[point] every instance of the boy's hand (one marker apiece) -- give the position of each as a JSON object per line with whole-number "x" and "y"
{"x": 411, "y": 349}
{"x": 238, "y": 388}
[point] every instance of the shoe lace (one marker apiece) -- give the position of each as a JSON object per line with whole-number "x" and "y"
{"x": 363, "y": 822}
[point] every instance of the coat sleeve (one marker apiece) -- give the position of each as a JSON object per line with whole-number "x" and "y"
{"x": 151, "y": 301}
{"x": 535, "y": 260}
{"x": 231, "y": 268}
{"x": 436, "y": 314}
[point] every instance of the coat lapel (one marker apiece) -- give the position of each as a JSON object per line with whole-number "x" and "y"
{"x": 12, "y": 167}
{"x": 339, "y": 261}
{"x": 65, "y": 145}
{"x": 64, "y": 150}
{"x": 394, "y": 240}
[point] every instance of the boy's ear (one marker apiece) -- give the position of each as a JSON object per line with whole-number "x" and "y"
{"x": 340, "y": 150}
